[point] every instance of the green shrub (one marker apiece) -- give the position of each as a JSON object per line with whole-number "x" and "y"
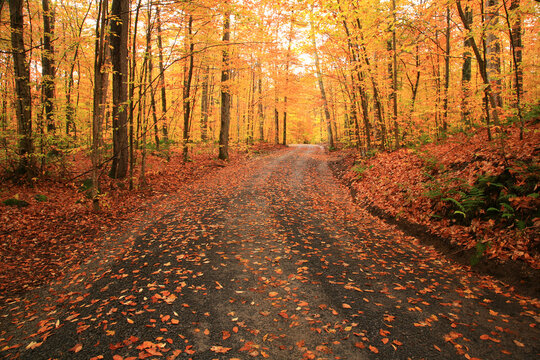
{"x": 15, "y": 202}
{"x": 41, "y": 197}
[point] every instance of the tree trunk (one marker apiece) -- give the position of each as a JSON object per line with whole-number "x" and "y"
{"x": 276, "y": 119}
{"x": 514, "y": 31}
{"x": 70, "y": 110}
{"x": 251, "y": 107}
{"x": 204, "y": 104}
{"x": 358, "y": 86}
{"x": 321, "y": 88}
{"x": 48, "y": 69}
{"x": 394, "y": 77}
{"x": 186, "y": 96}
{"x": 119, "y": 40}
{"x": 481, "y": 64}
{"x": 23, "y": 101}
{"x": 285, "y": 98}
{"x": 225, "y": 92}
{"x": 493, "y": 51}
{"x": 164, "y": 126}
{"x": 446, "y": 72}
{"x": 132, "y": 68}
{"x": 260, "y": 113}
{"x": 378, "y": 106}
{"x": 98, "y": 101}
{"x": 466, "y": 71}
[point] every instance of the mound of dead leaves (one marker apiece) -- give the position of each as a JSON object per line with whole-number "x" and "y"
{"x": 477, "y": 193}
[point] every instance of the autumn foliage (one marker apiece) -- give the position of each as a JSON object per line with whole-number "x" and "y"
{"x": 478, "y": 194}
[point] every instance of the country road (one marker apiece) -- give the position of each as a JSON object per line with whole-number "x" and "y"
{"x": 270, "y": 259}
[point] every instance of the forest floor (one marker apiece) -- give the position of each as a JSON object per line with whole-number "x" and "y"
{"x": 58, "y": 227}
{"x": 268, "y": 258}
{"x": 477, "y": 201}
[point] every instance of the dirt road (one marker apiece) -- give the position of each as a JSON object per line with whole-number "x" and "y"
{"x": 273, "y": 260}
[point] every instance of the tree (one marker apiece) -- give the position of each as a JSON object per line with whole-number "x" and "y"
{"x": 446, "y": 71}
{"x": 204, "y": 104}
{"x": 287, "y": 65}
{"x": 466, "y": 71}
{"x": 321, "y": 88}
{"x": 393, "y": 73}
{"x": 188, "y": 75}
{"x": 23, "y": 101}
{"x": 225, "y": 91}
{"x": 481, "y": 64}
{"x": 493, "y": 51}
{"x": 100, "y": 78}
{"x": 119, "y": 48}
{"x": 70, "y": 109}
{"x": 514, "y": 30}
{"x": 164, "y": 127}
{"x": 47, "y": 63}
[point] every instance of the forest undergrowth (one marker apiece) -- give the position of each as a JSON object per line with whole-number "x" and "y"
{"x": 482, "y": 196}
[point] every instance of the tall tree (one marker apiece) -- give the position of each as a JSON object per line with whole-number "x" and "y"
{"x": 99, "y": 95}
{"x": 260, "y": 113}
{"x": 164, "y": 126}
{"x": 225, "y": 90}
{"x": 466, "y": 70}
{"x": 287, "y": 65}
{"x": 358, "y": 86}
{"x": 446, "y": 71}
{"x": 47, "y": 64}
{"x": 188, "y": 75}
{"x": 493, "y": 49}
{"x": 23, "y": 101}
{"x": 204, "y": 104}
{"x": 70, "y": 109}
{"x": 321, "y": 88}
{"x": 394, "y": 93}
{"x": 514, "y": 30}
{"x": 481, "y": 63}
{"x": 131, "y": 109}
{"x": 119, "y": 47}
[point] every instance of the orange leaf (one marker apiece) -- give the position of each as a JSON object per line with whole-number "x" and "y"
{"x": 360, "y": 345}
{"x": 76, "y": 348}
{"x": 373, "y": 349}
{"x": 520, "y": 344}
{"x": 220, "y": 349}
{"x": 226, "y": 335}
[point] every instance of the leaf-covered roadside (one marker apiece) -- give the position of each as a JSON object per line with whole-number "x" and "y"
{"x": 481, "y": 195}
{"x": 56, "y": 226}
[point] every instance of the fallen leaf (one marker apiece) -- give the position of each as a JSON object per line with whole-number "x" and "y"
{"x": 76, "y": 348}
{"x": 219, "y": 349}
